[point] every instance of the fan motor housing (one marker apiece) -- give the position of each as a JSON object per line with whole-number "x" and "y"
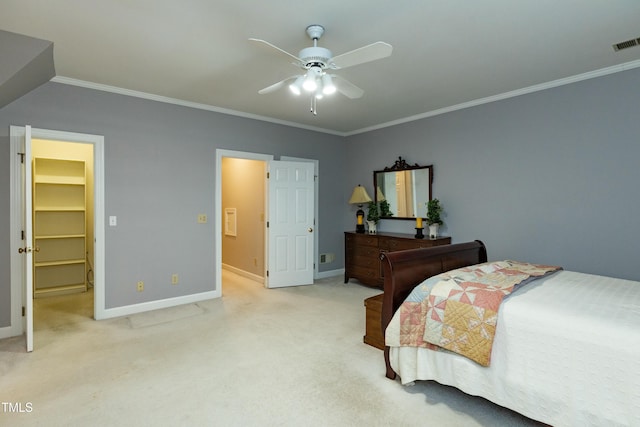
{"x": 315, "y": 56}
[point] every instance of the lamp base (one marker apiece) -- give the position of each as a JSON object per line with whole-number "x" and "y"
{"x": 419, "y": 234}
{"x": 360, "y": 223}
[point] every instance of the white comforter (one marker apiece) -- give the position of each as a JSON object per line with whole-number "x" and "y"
{"x": 566, "y": 352}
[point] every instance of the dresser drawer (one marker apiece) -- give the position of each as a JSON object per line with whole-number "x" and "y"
{"x": 365, "y": 261}
{"x": 391, "y": 245}
{"x": 365, "y": 252}
{"x": 368, "y": 276}
{"x": 359, "y": 240}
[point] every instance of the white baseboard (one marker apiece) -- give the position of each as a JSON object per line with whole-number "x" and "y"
{"x": 243, "y": 273}
{"x": 330, "y": 273}
{"x": 155, "y": 305}
{"x": 10, "y": 331}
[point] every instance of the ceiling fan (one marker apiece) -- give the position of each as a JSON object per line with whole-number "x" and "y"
{"x": 317, "y": 63}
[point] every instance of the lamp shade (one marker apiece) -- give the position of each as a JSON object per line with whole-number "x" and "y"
{"x": 359, "y": 196}
{"x": 379, "y": 195}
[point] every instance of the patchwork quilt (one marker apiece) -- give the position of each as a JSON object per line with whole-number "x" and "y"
{"x": 458, "y": 310}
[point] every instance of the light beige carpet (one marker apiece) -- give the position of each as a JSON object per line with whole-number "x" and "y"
{"x": 171, "y": 314}
{"x": 255, "y": 357}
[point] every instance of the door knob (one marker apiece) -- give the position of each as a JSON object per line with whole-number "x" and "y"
{"x": 310, "y": 230}
{"x": 21, "y": 250}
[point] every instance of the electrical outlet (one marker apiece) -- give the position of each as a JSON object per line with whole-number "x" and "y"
{"x": 140, "y": 286}
{"x": 202, "y": 218}
{"x": 325, "y": 258}
{"x": 174, "y": 279}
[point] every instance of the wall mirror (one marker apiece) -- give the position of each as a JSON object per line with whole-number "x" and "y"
{"x": 405, "y": 188}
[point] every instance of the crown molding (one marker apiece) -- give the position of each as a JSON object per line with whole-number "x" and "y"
{"x": 535, "y": 88}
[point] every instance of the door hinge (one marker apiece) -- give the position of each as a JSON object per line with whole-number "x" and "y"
{"x": 267, "y": 224}
{"x": 23, "y": 311}
{"x": 21, "y": 157}
{"x": 268, "y": 175}
{"x": 267, "y": 273}
{"x": 21, "y": 234}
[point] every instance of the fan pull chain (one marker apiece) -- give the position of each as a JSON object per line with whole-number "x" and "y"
{"x": 314, "y": 105}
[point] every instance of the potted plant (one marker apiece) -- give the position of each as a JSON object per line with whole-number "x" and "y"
{"x": 434, "y": 211}
{"x": 372, "y": 217}
{"x": 385, "y": 209}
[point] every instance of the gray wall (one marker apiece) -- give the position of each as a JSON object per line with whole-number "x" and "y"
{"x": 549, "y": 177}
{"x": 160, "y": 173}
{"x": 546, "y": 177}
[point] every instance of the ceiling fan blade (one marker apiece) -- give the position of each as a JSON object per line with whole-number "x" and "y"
{"x": 347, "y": 88}
{"x": 280, "y": 51}
{"x": 276, "y": 86}
{"x": 377, "y": 50}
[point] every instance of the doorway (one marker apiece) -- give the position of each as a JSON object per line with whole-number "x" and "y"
{"x": 21, "y": 224}
{"x": 222, "y": 226}
{"x": 243, "y": 215}
{"x": 63, "y": 228}
{"x": 274, "y": 252}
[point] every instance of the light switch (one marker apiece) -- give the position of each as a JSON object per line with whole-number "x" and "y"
{"x": 202, "y": 218}
{"x": 113, "y": 221}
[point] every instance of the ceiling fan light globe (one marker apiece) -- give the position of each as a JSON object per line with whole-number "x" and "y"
{"x": 294, "y": 89}
{"x": 328, "y": 88}
{"x": 310, "y": 84}
{"x": 296, "y": 85}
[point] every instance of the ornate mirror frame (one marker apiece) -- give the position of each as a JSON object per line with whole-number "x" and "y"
{"x": 406, "y": 189}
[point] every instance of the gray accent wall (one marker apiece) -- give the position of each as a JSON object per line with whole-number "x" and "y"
{"x": 159, "y": 175}
{"x": 547, "y": 177}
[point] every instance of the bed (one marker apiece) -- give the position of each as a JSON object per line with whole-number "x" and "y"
{"x": 566, "y": 349}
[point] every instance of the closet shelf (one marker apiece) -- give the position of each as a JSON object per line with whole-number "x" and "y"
{"x": 59, "y": 180}
{"x": 63, "y": 262}
{"x": 60, "y": 290}
{"x": 61, "y": 236}
{"x": 59, "y": 209}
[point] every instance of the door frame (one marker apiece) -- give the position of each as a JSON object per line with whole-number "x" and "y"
{"x": 16, "y": 133}
{"x": 220, "y": 153}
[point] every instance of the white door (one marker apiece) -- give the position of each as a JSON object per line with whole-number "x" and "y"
{"x": 291, "y": 224}
{"x": 26, "y": 249}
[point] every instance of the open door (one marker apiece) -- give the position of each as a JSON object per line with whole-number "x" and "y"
{"x": 291, "y": 224}
{"x": 26, "y": 249}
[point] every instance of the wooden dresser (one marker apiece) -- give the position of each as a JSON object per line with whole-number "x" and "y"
{"x": 362, "y": 253}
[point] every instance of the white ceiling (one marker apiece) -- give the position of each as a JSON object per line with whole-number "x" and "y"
{"x": 446, "y": 54}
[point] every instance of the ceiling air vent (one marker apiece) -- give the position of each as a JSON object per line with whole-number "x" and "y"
{"x": 626, "y": 44}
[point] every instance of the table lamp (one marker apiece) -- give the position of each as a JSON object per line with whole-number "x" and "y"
{"x": 359, "y": 197}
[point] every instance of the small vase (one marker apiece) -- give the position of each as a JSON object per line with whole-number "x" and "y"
{"x": 373, "y": 229}
{"x": 433, "y": 231}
